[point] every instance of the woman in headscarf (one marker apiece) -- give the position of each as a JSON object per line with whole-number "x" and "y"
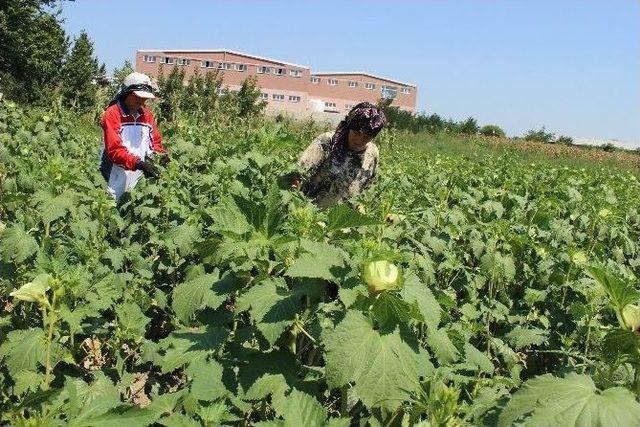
{"x": 342, "y": 164}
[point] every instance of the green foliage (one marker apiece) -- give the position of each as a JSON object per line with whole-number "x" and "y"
{"x": 78, "y": 75}
{"x": 492, "y": 130}
{"x": 570, "y": 401}
{"x": 34, "y": 46}
{"x": 213, "y": 296}
{"x": 540, "y": 135}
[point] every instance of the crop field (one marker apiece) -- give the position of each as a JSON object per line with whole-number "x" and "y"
{"x": 467, "y": 286}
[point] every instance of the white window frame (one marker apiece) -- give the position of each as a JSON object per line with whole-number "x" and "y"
{"x": 332, "y": 82}
{"x": 370, "y": 86}
{"x": 315, "y": 80}
{"x": 184, "y": 61}
{"x": 277, "y": 97}
{"x": 352, "y": 83}
{"x": 328, "y": 104}
{"x": 349, "y": 106}
{"x": 263, "y": 69}
{"x": 277, "y": 71}
{"x": 295, "y": 73}
{"x": 168, "y": 60}
{"x": 224, "y": 66}
{"x": 207, "y": 63}
{"x": 149, "y": 58}
{"x": 294, "y": 98}
{"x": 240, "y": 67}
{"x": 264, "y": 96}
{"x": 406, "y": 90}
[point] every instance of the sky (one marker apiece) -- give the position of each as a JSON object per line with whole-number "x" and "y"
{"x": 572, "y": 66}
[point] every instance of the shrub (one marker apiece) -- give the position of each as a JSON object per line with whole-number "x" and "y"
{"x": 492, "y": 130}
{"x": 540, "y": 135}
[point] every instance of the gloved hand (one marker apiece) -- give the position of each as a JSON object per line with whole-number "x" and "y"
{"x": 164, "y": 159}
{"x": 147, "y": 169}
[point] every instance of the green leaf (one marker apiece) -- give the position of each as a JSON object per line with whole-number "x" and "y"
{"x": 190, "y": 296}
{"x": 186, "y": 346}
{"x": 206, "y": 381}
{"x": 324, "y": 261}
{"x": 571, "y": 401}
{"x": 27, "y": 381}
{"x": 620, "y": 291}
{"x": 442, "y": 347}
{"x": 300, "y": 409}
{"x": 389, "y": 310}
{"x": 131, "y": 318}
{"x": 34, "y": 291}
{"x": 184, "y": 237}
{"x": 266, "y": 385}
{"x": 477, "y": 358}
{"x": 342, "y": 216}
{"x": 228, "y": 218}
{"x": 126, "y": 416}
{"x": 521, "y": 337}
{"x": 52, "y": 208}
{"x": 16, "y": 244}
{"x": 416, "y": 291}
{"x": 23, "y": 349}
{"x": 620, "y": 345}
{"x": 384, "y": 368}
{"x": 272, "y": 307}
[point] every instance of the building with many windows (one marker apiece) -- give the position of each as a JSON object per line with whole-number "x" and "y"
{"x": 286, "y": 87}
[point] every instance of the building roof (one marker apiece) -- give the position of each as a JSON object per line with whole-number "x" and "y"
{"x": 260, "y": 58}
{"x": 362, "y": 73}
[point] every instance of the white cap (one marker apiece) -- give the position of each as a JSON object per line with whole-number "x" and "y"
{"x": 140, "y": 83}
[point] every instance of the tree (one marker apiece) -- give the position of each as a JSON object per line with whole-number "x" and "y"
{"x": 249, "y": 102}
{"x": 540, "y": 135}
{"x": 469, "y": 126}
{"x": 79, "y": 73}
{"x": 34, "y": 45}
{"x": 171, "y": 92}
{"x": 492, "y": 130}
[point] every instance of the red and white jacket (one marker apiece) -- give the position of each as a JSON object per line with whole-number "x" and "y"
{"x": 127, "y": 139}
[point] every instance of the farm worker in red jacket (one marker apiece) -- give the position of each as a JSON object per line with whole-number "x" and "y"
{"x": 130, "y": 136}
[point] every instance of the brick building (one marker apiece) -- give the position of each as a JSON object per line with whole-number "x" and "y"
{"x": 285, "y": 86}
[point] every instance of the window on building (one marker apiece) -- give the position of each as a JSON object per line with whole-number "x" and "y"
{"x": 277, "y": 97}
{"x": 370, "y": 86}
{"x": 315, "y": 80}
{"x": 332, "y": 82}
{"x": 240, "y": 67}
{"x": 183, "y": 61}
{"x": 388, "y": 92}
{"x": 167, "y": 60}
{"x": 148, "y": 58}
{"x": 330, "y": 104}
{"x": 294, "y": 98}
{"x": 406, "y": 90}
{"x": 264, "y": 70}
{"x": 205, "y": 63}
{"x": 295, "y": 73}
{"x": 353, "y": 84}
{"x": 349, "y": 106}
{"x": 224, "y": 66}
{"x": 280, "y": 71}
{"x": 264, "y": 95}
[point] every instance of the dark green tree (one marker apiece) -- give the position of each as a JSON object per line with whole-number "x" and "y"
{"x": 492, "y": 130}
{"x": 33, "y": 46}
{"x": 249, "y": 102}
{"x": 79, "y": 75}
{"x": 171, "y": 92}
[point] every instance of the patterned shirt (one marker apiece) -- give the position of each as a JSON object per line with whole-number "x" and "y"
{"x": 330, "y": 179}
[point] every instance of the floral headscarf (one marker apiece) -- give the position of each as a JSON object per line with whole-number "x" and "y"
{"x": 364, "y": 117}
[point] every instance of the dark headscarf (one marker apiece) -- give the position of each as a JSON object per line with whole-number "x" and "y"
{"x": 364, "y": 117}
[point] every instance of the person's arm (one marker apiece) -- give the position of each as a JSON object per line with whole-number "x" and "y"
{"x": 113, "y": 146}
{"x": 371, "y": 169}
